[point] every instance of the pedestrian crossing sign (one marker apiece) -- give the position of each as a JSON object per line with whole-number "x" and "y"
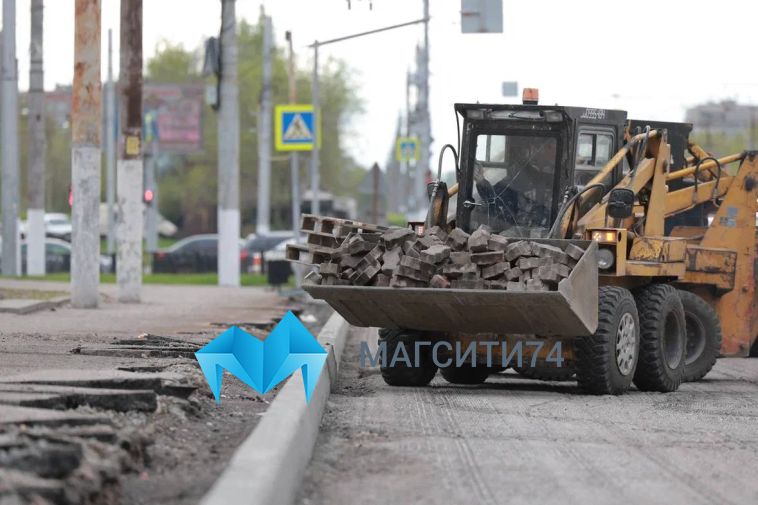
{"x": 407, "y": 149}
{"x": 295, "y": 128}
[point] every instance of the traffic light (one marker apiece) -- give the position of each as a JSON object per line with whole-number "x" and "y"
{"x": 148, "y": 196}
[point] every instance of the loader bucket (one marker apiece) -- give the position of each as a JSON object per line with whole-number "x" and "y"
{"x": 572, "y": 310}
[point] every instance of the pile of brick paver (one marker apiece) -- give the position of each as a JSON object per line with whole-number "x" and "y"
{"x": 356, "y": 254}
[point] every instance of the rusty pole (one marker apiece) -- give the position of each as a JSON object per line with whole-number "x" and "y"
{"x": 85, "y": 156}
{"x": 35, "y": 214}
{"x": 129, "y": 182}
{"x": 11, "y": 260}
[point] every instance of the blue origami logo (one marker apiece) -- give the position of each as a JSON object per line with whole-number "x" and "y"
{"x": 262, "y": 364}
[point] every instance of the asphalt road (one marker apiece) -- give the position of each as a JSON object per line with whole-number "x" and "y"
{"x": 514, "y": 440}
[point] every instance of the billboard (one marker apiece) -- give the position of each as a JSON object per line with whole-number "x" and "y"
{"x": 178, "y": 110}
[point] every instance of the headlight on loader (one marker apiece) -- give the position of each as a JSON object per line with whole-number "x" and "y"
{"x": 605, "y": 259}
{"x": 605, "y": 236}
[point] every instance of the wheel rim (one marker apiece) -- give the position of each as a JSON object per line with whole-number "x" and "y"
{"x": 695, "y": 338}
{"x": 626, "y": 340}
{"x": 672, "y": 343}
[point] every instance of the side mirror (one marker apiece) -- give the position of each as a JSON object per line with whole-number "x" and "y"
{"x": 430, "y": 190}
{"x": 620, "y": 203}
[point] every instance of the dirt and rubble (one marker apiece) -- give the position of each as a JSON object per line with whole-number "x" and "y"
{"x": 165, "y": 444}
{"x": 109, "y": 406}
{"x": 350, "y": 253}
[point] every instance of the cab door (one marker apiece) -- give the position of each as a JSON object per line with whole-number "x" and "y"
{"x": 594, "y": 148}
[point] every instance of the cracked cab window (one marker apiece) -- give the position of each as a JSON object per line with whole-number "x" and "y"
{"x": 513, "y": 183}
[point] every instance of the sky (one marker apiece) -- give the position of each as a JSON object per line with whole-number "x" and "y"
{"x": 652, "y": 58}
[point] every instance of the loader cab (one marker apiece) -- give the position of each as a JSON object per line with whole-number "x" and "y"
{"x": 517, "y": 162}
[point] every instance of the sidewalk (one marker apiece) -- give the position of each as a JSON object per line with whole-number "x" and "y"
{"x": 46, "y": 338}
{"x": 163, "y": 308}
{"x": 125, "y": 374}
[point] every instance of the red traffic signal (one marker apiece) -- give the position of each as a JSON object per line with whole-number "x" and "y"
{"x": 148, "y": 196}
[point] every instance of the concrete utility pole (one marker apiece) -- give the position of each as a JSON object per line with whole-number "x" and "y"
{"x": 129, "y": 168}
{"x": 228, "y": 153}
{"x": 151, "y": 163}
{"x": 110, "y": 149}
{"x": 9, "y": 124}
{"x": 85, "y": 156}
{"x": 294, "y": 155}
{"x": 294, "y": 161}
{"x": 151, "y": 207}
{"x": 315, "y": 161}
{"x": 375, "y": 193}
{"x": 393, "y": 172}
{"x": 265, "y": 113}
{"x": 408, "y": 194}
{"x": 35, "y": 214}
{"x": 425, "y": 128}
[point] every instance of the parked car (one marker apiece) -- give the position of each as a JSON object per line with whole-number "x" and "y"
{"x": 58, "y": 257}
{"x": 58, "y": 226}
{"x": 258, "y": 244}
{"x": 195, "y": 254}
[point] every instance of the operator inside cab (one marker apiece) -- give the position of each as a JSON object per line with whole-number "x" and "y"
{"x": 513, "y": 183}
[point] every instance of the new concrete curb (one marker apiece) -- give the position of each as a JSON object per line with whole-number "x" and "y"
{"x": 268, "y": 467}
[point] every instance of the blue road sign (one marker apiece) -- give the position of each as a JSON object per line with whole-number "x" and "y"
{"x": 295, "y": 128}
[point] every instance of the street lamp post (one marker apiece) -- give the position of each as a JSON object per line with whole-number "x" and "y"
{"x": 315, "y": 100}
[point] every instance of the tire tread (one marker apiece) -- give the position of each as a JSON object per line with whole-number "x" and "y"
{"x": 402, "y": 375}
{"x": 593, "y": 364}
{"x": 697, "y": 371}
{"x": 651, "y": 374}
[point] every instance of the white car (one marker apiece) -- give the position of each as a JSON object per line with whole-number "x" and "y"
{"x": 58, "y": 226}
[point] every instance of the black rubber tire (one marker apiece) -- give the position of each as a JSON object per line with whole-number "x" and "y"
{"x": 400, "y": 374}
{"x": 545, "y": 371}
{"x": 465, "y": 374}
{"x": 597, "y": 370}
{"x": 703, "y": 336}
{"x": 663, "y": 339}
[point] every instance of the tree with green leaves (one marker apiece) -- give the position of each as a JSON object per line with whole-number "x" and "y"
{"x": 188, "y": 189}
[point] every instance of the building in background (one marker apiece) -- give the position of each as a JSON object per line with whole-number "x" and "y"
{"x": 724, "y": 127}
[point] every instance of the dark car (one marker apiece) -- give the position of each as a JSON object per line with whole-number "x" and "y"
{"x": 58, "y": 257}
{"x": 194, "y": 254}
{"x": 258, "y": 244}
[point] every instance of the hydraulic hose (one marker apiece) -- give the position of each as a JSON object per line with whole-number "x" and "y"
{"x": 570, "y": 202}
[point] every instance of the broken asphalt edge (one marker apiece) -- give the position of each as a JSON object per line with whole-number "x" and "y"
{"x": 268, "y": 467}
{"x": 27, "y": 306}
